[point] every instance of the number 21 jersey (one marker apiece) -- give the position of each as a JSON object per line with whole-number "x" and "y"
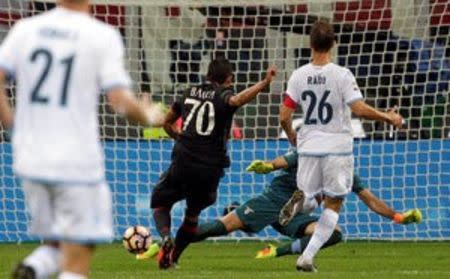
{"x": 325, "y": 94}
{"x": 61, "y": 60}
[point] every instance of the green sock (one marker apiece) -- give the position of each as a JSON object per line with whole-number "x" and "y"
{"x": 215, "y": 228}
{"x": 284, "y": 250}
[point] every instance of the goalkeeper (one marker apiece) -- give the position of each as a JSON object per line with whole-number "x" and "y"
{"x": 263, "y": 210}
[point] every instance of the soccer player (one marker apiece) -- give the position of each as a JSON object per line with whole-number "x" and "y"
{"x": 263, "y": 210}
{"x": 62, "y": 60}
{"x": 199, "y": 155}
{"x": 328, "y": 94}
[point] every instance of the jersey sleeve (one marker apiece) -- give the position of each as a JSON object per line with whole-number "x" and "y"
{"x": 112, "y": 69}
{"x": 291, "y": 158}
{"x": 292, "y": 93}
{"x": 357, "y": 185}
{"x": 9, "y": 53}
{"x": 226, "y": 95}
{"x": 350, "y": 88}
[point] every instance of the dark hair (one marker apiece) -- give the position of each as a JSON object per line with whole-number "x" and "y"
{"x": 322, "y": 36}
{"x": 219, "y": 70}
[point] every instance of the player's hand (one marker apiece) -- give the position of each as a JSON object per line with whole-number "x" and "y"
{"x": 395, "y": 118}
{"x": 156, "y": 112}
{"x": 270, "y": 73}
{"x": 408, "y": 217}
{"x": 260, "y": 167}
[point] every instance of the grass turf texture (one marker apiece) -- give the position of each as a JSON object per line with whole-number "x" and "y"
{"x": 236, "y": 260}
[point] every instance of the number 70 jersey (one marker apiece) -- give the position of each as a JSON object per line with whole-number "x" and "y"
{"x": 325, "y": 94}
{"x": 207, "y": 120}
{"x": 61, "y": 60}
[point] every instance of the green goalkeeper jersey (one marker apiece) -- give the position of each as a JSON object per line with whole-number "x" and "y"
{"x": 285, "y": 183}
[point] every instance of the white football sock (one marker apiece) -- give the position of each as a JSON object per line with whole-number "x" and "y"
{"x": 71, "y": 275}
{"x": 309, "y": 204}
{"x": 324, "y": 228}
{"x": 45, "y": 260}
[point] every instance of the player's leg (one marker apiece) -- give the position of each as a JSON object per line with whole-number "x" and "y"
{"x": 83, "y": 217}
{"x": 223, "y": 226}
{"x": 201, "y": 192}
{"x": 45, "y": 260}
{"x": 302, "y": 228}
{"x": 76, "y": 260}
{"x": 252, "y": 216}
{"x": 309, "y": 178}
{"x": 337, "y": 174}
{"x": 164, "y": 196}
{"x": 298, "y": 204}
{"x": 166, "y": 193}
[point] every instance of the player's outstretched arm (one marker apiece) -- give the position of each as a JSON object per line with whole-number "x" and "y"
{"x": 381, "y": 208}
{"x": 6, "y": 112}
{"x": 363, "y": 110}
{"x": 250, "y": 93}
{"x": 141, "y": 111}
{"x": 262, "y": 167}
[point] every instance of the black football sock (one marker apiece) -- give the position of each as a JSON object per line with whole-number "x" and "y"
{"x": 185, "y": 235}
{"x": 335, "y": 238}
{"x": 161, "y": 215}
{"x": 297, "y": 246}
{"x": 215, "y": 228}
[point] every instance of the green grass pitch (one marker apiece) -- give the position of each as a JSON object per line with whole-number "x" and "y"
{"x": 235, "y": 260}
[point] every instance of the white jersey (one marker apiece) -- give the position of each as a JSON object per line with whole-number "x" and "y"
{"x": 324, "y": 93}
{"x": 62, "y": 60}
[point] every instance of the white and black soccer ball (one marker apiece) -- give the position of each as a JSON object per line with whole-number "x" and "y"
{"x": 137, "y": 239}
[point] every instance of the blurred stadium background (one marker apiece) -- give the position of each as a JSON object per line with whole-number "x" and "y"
{"x": 399, "y": 51}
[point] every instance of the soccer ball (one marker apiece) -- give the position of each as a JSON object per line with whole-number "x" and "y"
{"x": 136, "y": 239}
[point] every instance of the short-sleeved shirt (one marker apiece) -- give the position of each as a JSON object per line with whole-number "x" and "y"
{"x": 207, "y": 119}
{"x": 284, "y": 183}
{"x": 61, "y": 60}
{"x": 325, "y": 93}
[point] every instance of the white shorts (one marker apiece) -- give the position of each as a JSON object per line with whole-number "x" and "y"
{"x": 75, "y": 213}
{"x": 328, "y": 175}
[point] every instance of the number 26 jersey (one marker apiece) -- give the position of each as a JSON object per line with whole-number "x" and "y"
{"x": 325, "y": 94}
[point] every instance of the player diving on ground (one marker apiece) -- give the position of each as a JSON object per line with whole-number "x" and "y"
{"x": 263, "y": 210}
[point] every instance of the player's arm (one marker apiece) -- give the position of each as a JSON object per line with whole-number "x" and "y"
{"x": 6, "y": 112}
{"x": 140, "y": 111}
{"x": 250, "y": 93}
{"x": 353, "y": 97}
{"x": 363, "y": 110}
{"x": 169, "y": 123}
{"x": 381, "y": 208}
{"x": 288, "y": 108}
{"x": 288, "y": 160}
{"x": 286, "y": 111}
{"x": 262, "y": 167}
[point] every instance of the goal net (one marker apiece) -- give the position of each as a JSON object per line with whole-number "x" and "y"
{"x": 399, "y": 52}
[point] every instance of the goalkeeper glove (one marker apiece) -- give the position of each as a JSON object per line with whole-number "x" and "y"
{"x": 408, "y": 217}
{"x": 260, "y": 167}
